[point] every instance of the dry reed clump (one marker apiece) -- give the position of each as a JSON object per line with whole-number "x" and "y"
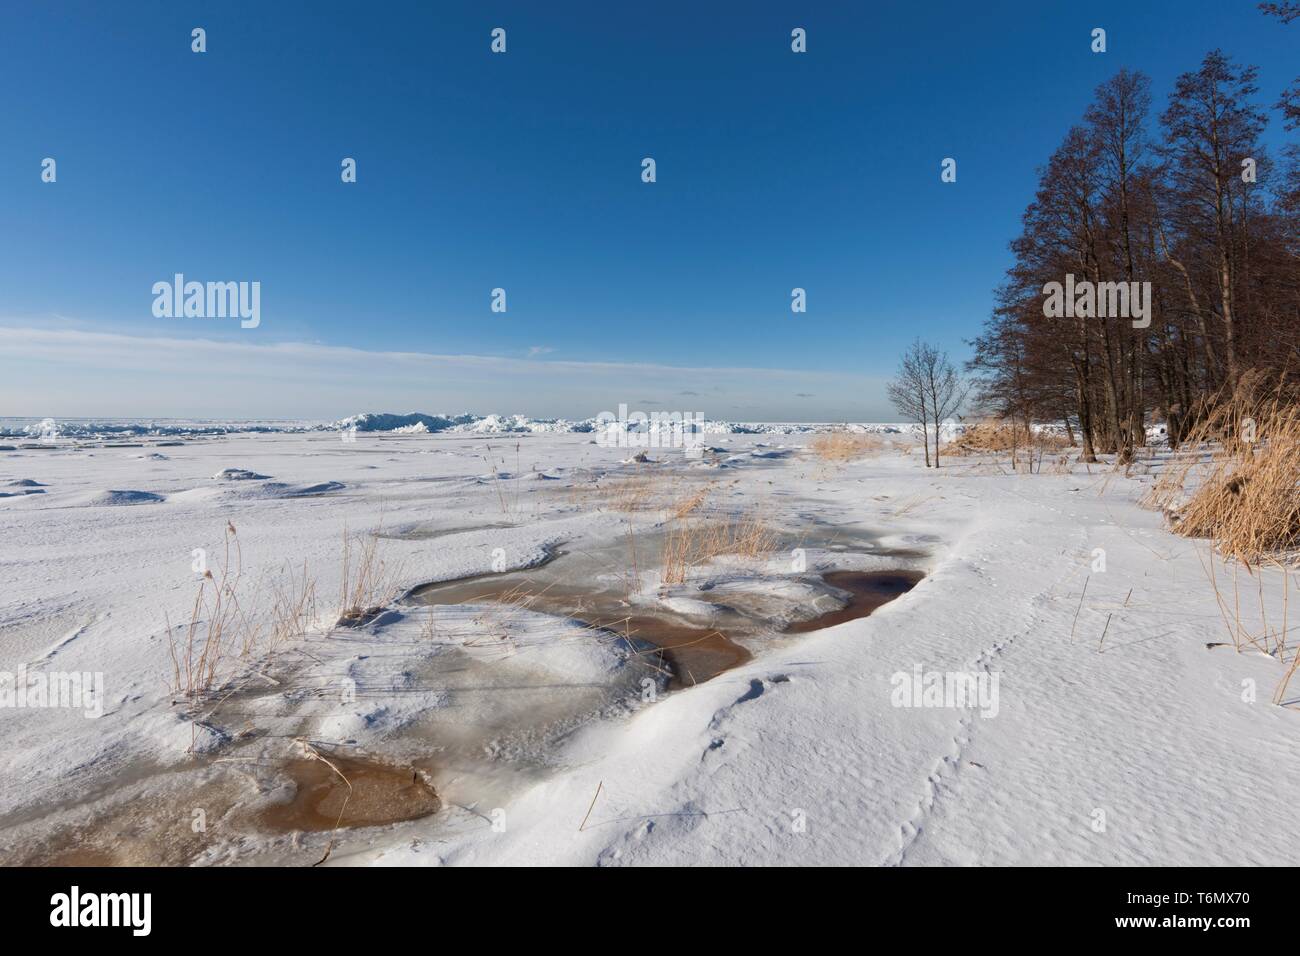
{"x": 632, "y": 493}
{"x": 1254, "y": 630}
{"x": 367, "y": 583}
{"x": 222, "y": 631}
{"x": 693, "y": 541}
{"x": 198, "y": 658}
{"x": 293, "y": 608}
{"x": 845, "y": 446}
{"x": 688, "y": 504}
{"x": 1026, "y": 446}
{"x": 624, "y": 493}
{"x": 674, "y": 502}
{"x": 507, "y": 498}
{"x": 1237, "y": 480}
{"x": 654, "y": 491}
{"x": 994, "y": 436}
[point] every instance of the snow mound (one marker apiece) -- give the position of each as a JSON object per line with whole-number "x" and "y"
{"x": 255, "y": 491}
{"x": 540, "y": 642}
{"x": 516, "y": 424}
{"x": 114, "y": 497}
{"x": 238, "y": 474}
{"x": 319, "y": 488}
{"x": 385, "y": 422}
{"x": 23, "y": 486}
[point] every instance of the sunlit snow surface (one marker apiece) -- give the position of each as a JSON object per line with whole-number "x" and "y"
{"x": 797, "y": 756}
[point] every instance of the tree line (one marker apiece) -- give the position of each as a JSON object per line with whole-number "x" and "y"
{"x": 1186, "y": 199}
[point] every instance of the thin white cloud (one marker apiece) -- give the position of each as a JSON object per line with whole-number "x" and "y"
{"x": 66, "y": 371}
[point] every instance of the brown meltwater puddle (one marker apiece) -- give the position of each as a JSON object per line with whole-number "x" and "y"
{"x": 83, "y": 857}
{"x": 152, "y": 827}
{"x": 373, "y": 794}
{"x": 690, "y": 655}
{"x": 686, "y": 654}
{"x": 868, "y": 590}
{"x": 684, "y": 650}
{"x": 491, "y": 739}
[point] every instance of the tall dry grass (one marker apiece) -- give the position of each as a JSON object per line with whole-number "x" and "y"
{"x": 507, "y": 498}
{"x": 292, "y": 608}
{"x": 843, "y": 446}
{"x": 1246, "y": 617}
{"x": 1000, "y": 436}
{"x": 227, "y": 628}
{"x": 644, "y": 492}
{"x": 216, "y": 621}
{"x": 367, "y": 582}
{"x": 633, "y": 493}
{"x": 1235, "y": 481}
{"x": 232, "y": 624}
{"x": 695, "y": 540}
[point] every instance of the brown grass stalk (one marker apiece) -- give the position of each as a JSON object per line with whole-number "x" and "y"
{"x": 844, "y": 446}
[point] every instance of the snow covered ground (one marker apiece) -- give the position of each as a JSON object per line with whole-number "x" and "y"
{"x": 1108, "y": 731}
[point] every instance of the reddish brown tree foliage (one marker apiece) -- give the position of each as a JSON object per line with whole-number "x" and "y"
{"x": 1191, "y": 205}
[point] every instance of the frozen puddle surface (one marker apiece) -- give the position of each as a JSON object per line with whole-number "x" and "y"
{"x": 460, "y": 697}
{"x": 867, "y": 590}
{"x": 675, "y": 651}
{"x": 668, "y": 639}
{"x": 165, "y": 816}
{"x": 357, "y": 794}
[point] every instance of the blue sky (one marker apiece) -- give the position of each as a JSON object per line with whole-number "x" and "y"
{"x": 522, "y": 171}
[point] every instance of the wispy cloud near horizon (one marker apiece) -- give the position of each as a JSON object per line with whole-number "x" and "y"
{"x": 74, "y": 372}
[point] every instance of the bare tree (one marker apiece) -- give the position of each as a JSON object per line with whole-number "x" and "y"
{"x": 944, "y": 389}
{"x": 908, "y": 391}
{"x": 1204, "y": 217}
{"x": 1286, "y": 11}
